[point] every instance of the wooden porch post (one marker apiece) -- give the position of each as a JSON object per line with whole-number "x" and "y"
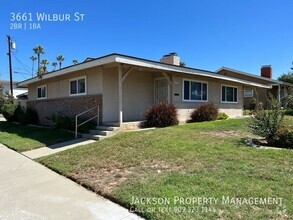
{"x": 120, "y": 94}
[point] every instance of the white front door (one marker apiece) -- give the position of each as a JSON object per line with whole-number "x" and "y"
{"x": 161, "y": 90}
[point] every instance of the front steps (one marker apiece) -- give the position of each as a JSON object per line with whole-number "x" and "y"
{"x": 101, "y": 132}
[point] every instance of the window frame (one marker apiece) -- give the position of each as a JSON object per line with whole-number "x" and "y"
{"x": 196, "y": 81}
{"x": 77, "y": 87}
{"x": 234, "y": 87}
{"x": 40, "y": 87}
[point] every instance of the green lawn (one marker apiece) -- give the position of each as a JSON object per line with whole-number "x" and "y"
{"x": 23, "y": 138}
{"x": 178, "y": 166}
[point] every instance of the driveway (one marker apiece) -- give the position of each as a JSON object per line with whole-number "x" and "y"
{"x": 31, "y": 191}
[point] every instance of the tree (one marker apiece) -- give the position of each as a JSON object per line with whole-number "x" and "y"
{"x": 75, "y": 62}
{"x": 54, "y": 64}
{"x": 33, "y": 58}
{"x": 287, "y": 77}
{"x": 43, "y": 68}
{"x": 182, "y": 64}
{"x": 60, "y": 59}
{"x": 39, "y": 50}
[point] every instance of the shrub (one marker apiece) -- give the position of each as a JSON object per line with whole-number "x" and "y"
{"x": 8, "y": 110}
{"x": 284, "y": 138}
{"x": 32, "y": 116}
{"x": 252, "y": 104}
{"x": 288, "y": 102}
{"x": 267, "y": 122}
{"x": 60, "y": 121}
{"x": 20, "y": 115}
{"x": 161, "y": 115}
{"x": 222, "y": 116}
{"x": 205, "y": 112}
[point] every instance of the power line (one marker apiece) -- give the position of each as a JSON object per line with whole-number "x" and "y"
{"x": 21, "y": 63}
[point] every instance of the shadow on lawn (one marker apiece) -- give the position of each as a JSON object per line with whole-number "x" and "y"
{"x": 13, "y": 134}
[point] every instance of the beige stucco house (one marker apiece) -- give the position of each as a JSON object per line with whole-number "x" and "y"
{"x": 278, "y": 89}
{"x": 124, "y": 87}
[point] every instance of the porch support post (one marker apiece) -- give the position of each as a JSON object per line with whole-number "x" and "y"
{"x": 120, "y": 94}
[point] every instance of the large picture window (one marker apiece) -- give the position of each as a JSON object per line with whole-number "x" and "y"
{"x": 229, "y": 94}
{"x": 195, "y": 91}
{"x": 42, "y": 92}
{"x": 78, "y": 86}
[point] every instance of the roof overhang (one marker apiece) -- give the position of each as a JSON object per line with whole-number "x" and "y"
{"x": 123, "y": 59}
{"x": 270, "y": 81}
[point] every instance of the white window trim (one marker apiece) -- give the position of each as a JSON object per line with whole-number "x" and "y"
{"x": 197, "y": 81}
{"x": 76, "y": 79}
{"x": 233, "y": 91}
{"x": 46, "y": 92}
{"x": 248, "y": 96}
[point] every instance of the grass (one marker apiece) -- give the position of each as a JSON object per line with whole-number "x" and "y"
{"x": 192, "y": 161}
{"x": 23, "y": 138}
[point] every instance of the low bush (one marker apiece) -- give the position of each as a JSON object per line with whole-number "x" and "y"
{"x": 20, "y": 115}
{"x": 32, "y": 116}
{"x": 8, "y": 110}
{"x": 60, "y": 121}
{"x": 65, "y": 122}
{"x": 222, "y": 116}
{"x": 284, "y": 138}
{"x": 161, "y": 115}
{"x": 266, "y": 123}
{"x": 288, "y": 112}
{"x": 205, "y": 112}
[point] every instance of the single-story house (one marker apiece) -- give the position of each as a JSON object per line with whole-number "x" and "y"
{"x": 124, "y": 87}
{"x": 278, "y": 89}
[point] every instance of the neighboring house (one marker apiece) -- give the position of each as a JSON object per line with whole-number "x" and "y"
{"x": 278, "y": 89}
{"x": 124, "y": 87}
{"x": 5, "y": 84}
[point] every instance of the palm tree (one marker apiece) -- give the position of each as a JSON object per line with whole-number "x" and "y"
{"x": 75, "y": 62}
{"x": 39, "y": 50}
{"x": 44, "y": 62}
{"x": 33, "y": 58}
{"x": 54, "y": 64}
{"x": 60, "y": 59}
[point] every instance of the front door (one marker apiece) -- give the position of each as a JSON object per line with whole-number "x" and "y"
{"x": 161, "y": 90}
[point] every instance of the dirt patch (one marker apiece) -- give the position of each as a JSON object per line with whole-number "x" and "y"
{"x": 222, "y": 133}
{"x": 105, "y": 180}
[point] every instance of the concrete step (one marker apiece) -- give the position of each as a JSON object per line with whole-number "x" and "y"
{"x": 93, "y": 136}
{"x": 111, "y": 124}
{"x": 100, "y": 132}
{"x": 106, "y": 128}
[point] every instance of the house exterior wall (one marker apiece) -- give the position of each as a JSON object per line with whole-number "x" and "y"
{"x": 58, "y": 87}
{"x": 137, "y": 94}
{"x": 69, "y": 106}
{"x": 214, "y": 95}
{"x": 59, "y": 100}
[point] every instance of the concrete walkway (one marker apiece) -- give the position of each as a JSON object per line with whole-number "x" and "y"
{"x": 45, "y": 151}
{"x": 31, "y": 191}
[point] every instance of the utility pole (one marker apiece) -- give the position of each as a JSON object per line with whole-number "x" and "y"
{"x": 10, "y": 65}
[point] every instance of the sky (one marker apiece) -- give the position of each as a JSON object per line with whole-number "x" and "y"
{"x": 242, "y": 34}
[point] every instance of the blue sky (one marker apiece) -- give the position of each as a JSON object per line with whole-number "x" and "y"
{"x": 242, "y": 34}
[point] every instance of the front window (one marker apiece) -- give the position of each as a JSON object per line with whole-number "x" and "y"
{"x": 195, "y": 91}
{"x": 42, "y": 92}
{"x": 229, "y": 94}
{"x": 248, "y": 93}
{"x": 78, "y": 86}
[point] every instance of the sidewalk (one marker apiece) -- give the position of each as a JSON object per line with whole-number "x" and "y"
{"x": 31, "y": 191}
{"x": 45, "y": 151}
